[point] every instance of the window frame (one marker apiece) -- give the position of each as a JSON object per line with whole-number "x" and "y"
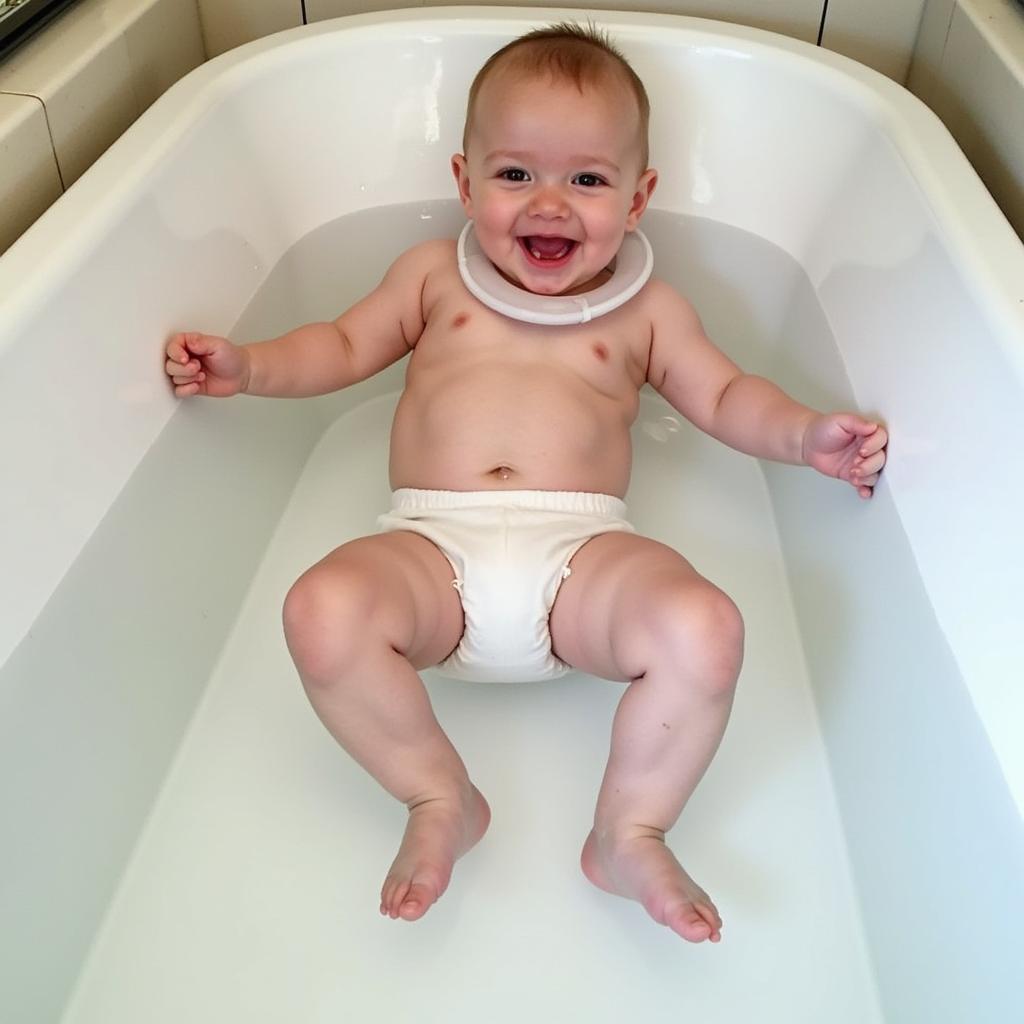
{"x": 17, "y": 24}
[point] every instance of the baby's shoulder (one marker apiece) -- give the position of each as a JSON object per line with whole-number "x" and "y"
{"x": 664, "y": 304}
{"x": 659, "y": 293}
{"x": 418, "y": 265}
{"x": 437, "y": 253}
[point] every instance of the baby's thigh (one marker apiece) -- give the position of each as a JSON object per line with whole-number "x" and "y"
{"x": 394, "y": 588}
{"x": 630, "y": 601}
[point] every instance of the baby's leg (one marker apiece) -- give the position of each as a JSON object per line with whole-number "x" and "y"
{"x": 358, "y": 625}
{"x": 635, "y": 610}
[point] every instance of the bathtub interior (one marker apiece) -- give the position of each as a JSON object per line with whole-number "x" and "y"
{"x": 906, "y": 681}
{"x": 253, "y": 836}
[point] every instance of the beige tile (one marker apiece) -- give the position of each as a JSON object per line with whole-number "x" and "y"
{"x": 931, "y": 41}
{"x": 321, "y": 10}
{"x": 799, "y": 18}
{"x": 982, "y": 101}
{"x": 98, "y": 66}
{"x": 89, "y": 111}
{"x": 229, "y": 23}
{"x": 879, "y": 33}
{"x": 79, "y": 67}
{"x": 66, "y": 45}
{"x": 1001, "y": 24}
{"x": 165, "y": 43}
{"x": 30, "y": 180}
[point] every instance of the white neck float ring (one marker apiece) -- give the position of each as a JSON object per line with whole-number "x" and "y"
{"x": 633, "y": 267}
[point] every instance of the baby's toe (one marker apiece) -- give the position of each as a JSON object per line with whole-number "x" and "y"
{"x": 694, "y": 922}
{"x": 690, "y": 925}
{"x": 416, "y": 902}
{"x": 394, "y": 893}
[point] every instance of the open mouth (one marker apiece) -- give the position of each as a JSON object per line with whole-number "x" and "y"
{"x": 549, "y": 252}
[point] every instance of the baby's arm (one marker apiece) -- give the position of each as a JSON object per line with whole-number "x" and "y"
{"x": 750, "y": 413}
{"x": 316, "y": 358}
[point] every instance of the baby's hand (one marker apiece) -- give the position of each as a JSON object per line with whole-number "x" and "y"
{"x": 848, "y": 447}
{"x": 203, "y": 364}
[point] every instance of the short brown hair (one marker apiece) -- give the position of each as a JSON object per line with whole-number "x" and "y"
{"x": 581, "y": 54}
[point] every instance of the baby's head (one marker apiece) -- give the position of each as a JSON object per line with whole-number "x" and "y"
{"x": 554, "y": 169}
{"x": 565, "y": 54}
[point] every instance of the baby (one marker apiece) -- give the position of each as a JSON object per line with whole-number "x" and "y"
{"x": 506, "y": 554}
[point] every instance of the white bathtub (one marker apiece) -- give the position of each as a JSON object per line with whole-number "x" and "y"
{"x": 178, "y": 831}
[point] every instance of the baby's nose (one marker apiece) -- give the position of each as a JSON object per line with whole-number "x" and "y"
{"x": 549, "y": 202}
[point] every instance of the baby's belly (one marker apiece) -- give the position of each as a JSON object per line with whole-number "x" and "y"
{"x": 537, "y": 438}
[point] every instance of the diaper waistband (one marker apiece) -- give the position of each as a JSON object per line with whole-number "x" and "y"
{"x": 410, "y": 499}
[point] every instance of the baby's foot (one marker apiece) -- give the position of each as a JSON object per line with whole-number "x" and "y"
{"x": 639, "y": 866}
{"x": 437, "y": 834}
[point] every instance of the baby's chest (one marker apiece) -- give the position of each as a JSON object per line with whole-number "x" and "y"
{"x": 602, "y": 352}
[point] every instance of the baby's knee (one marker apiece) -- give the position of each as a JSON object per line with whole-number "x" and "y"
{"x": 702, "y": 630}
{"x": 327, "y": 616}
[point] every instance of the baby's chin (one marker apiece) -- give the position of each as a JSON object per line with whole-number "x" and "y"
{"x": 588, "y": 284}
{"x": 552, "y": 289}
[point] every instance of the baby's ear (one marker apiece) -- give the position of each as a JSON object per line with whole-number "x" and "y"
{"x": 641, "y": 197}
{"x": 461, "y": 171}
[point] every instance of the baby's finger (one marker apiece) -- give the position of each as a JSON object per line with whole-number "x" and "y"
{"x": 856, "y": 425}
{"x": 186, "y": 368}
{"x": 872, "y": 464}
{"x": 184, "y": 390}
{"x": 176, "y": 351}
{"x": 865, "y": 486}
{"x": 197, "y": 344}
{"x": 875, "y": 442}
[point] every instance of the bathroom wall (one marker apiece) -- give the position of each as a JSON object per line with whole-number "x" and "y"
{"x": 968, "y": 67}
{"x": 68, "y": 93}
{"x": 878, "y": 32}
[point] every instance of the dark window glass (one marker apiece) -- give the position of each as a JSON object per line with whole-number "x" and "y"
{"x": 20, "y": 18}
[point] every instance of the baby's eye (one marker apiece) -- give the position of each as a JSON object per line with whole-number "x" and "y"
{"x": 514, "y": 174}
{"x": 588, "y": 180}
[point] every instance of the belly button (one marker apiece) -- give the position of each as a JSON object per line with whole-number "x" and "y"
{"x": 503, "y": 472}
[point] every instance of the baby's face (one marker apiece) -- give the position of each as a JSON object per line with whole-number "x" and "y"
{"x": 552, "y": 180}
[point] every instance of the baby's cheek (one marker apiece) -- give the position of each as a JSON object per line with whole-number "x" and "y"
{"x": 490, "y": 232}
